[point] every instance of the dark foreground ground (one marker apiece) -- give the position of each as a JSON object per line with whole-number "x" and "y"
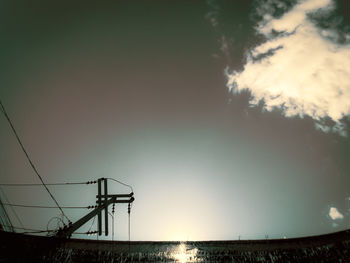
{"x": 325, "y": 248}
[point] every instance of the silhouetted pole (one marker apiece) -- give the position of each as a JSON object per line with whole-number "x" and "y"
{"x": 99, "y": 203}
{"x": 106, "y": 207}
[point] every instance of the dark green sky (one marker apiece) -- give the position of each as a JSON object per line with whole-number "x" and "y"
{"x": 137, "y": 91}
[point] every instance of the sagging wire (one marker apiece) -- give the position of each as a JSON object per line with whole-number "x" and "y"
{"x": 76, "y": 183}
{"x": 13, "y": 210}
{"x": 30, "y": 229}
{"x": 29, "y": 160}
{"x": 117, "y": 181}
{"x": 129, "y": 205}
{"x": 36, "y": 231}
{"x": 42, "y": 206}
{"x": 93, "y": 222}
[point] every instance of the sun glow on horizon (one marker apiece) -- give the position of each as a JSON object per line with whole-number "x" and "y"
{"x": 179, "y": 235}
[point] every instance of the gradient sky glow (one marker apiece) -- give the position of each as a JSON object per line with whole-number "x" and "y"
{"x": 176, "y": 98}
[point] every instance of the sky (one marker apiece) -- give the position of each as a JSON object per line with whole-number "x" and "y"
{"x": 230, "y": 119}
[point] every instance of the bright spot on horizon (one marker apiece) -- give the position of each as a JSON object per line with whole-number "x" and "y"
{"x": 335, "y": 214}
{"x": 184, "y": 254}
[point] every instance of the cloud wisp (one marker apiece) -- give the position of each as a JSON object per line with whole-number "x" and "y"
{"x": 213, "y": 17}
{"x": 300, "y": 68}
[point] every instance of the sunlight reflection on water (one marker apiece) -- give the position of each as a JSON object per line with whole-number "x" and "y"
{"x": 183, "y": 254}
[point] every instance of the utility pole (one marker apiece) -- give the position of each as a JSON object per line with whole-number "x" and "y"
{"x": 103, "y": 201}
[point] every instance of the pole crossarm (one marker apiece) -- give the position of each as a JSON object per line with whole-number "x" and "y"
{"x": 116, "y": 196}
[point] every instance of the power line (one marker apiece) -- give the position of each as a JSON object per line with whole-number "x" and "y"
{"x": 121, "y": 183}
{"x": 86, "y": 233}
{"x": 92, "y": 224}
{"x": 30, "y": 229}
{"x": 34, "y": 231}
{"x": 5, "y": 220}
{"x": 29, "y": 160}
{"x": 42, "y": 206}
{"x": 129, "y": 210}
{"x": 78, "y": 183}
{"x": 13, "y": 210}
{"x": 129, "y": 206}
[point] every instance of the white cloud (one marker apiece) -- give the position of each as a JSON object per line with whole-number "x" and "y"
{"x": 335, "y": 214}
{"x": 291, "y": 20}
{"x": 301, "y": 69}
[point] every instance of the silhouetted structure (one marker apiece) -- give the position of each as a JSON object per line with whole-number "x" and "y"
{"x": 103, "y": 201}
{"x": 333, "y": 247}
